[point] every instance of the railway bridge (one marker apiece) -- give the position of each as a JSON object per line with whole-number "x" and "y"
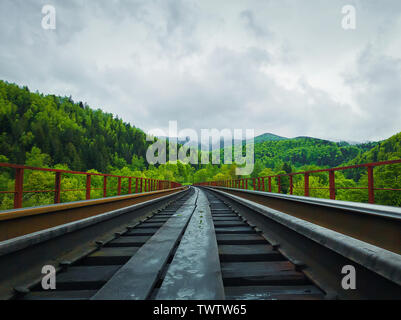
{"x": 234, "y": 240}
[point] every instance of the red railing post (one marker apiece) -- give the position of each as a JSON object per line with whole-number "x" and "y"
{"x": 119, "y": 186}
{"x": 57, "y": 182}
{"x": 18, "y": 187}
{"x": 258, "y": 184}
{"x": 246, "y": 184}
{"x": 129, "y": 185}
{"x": 270, "y": 184}
{"x": 254, "y": 183}
{"x": 332, "y": 183}
{"x": 136, "y": 185}
{"x": 279, "y": 184}
{"x": 104, "y": 186}
{"x": 291, "y": 186}
{"x": 88, "y": 187}
{"x": 371, "y": 187}
{"x": 263, "y": 184}
{"x": 141, "y": 185}
{"x": 306, "y": 185}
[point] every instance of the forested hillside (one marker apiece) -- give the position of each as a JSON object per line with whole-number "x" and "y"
{"x": 70, "y": 133}
{"x": 389, "y": 149}
{"x": 308, "y": 151}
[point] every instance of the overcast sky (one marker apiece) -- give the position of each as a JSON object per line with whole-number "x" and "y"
{"x": 280, "y": 66}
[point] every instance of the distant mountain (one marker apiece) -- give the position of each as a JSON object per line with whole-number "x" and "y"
{"x": 268, "y": 137}
{"x": 311, "y": 138}
{"x": 220, "y": 144}
{"x": 198, "y": 144}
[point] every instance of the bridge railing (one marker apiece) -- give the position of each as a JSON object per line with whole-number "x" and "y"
{"x": 265, "y": 183}
{"x": 135, "y": 184}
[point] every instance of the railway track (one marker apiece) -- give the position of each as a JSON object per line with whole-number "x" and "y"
{"x": 84, "y": 278}
{"x": 198, "y": 244}
{"x": 251, "y": 267}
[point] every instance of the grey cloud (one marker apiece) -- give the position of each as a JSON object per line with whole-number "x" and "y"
{"x": 377, "y": 88}
{"x": 256, "y": 28}
{"x": 204, "y": 63}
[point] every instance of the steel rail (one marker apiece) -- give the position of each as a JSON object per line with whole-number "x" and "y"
{"x": 375, "y": 224}
{"x": 18, "y": 222}
{"x": 22, "y": 258}
{"x": 321, "y": 253}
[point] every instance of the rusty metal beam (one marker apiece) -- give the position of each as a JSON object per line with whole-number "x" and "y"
{"x": 15, "y": 223}
{"x": 356, "y": 220}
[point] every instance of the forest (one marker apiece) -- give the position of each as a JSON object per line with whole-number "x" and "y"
{"x": 56, "y": 132}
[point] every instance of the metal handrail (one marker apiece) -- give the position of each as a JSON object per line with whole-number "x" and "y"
{"x": 259, "y": 182}
{"x": 141, "y": 184}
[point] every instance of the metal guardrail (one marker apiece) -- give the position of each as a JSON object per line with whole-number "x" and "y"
{"x": 259, "y": 184}
{"x": 140, "y": 184}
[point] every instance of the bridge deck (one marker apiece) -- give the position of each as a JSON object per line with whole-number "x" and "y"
{"x": 211, "y": 245}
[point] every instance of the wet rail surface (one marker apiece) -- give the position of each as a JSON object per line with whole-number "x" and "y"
{"x": 231, "y": 258}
